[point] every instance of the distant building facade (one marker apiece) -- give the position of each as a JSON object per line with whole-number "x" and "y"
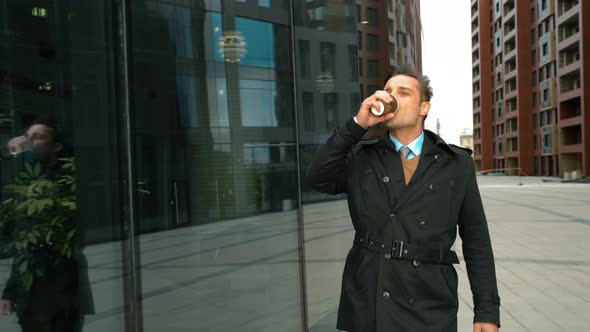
{"x": 529, "y": 86}
{"x": 389, "y": 36}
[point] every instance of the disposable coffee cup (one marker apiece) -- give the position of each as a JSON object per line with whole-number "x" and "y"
{"x": 19, "y": 145}
{"x": 385, "y": 108}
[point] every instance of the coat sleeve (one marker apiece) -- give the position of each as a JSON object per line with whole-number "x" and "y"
{"x": 477, "y": 250}
{"x": 330, "y": 167}
{"x": 9, "y": 292}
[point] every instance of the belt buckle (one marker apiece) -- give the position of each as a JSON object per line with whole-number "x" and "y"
{"x": 397, "y": 249}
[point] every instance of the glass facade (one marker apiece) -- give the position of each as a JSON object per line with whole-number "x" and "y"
{"x": 152, "y": 162}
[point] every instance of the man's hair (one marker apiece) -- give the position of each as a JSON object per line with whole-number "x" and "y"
{"x": 51, "y": 123}
{"x": 423, "y": 81}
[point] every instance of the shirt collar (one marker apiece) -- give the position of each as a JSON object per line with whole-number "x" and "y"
{"x": 415, "y": 146}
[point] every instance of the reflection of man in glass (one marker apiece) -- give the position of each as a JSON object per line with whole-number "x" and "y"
{"x": 48, "y": 285}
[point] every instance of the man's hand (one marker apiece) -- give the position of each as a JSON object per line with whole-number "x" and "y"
{"x": 485, "y": 327}
{"x": 5, "y": 307}
{"x": 364, "y": 116}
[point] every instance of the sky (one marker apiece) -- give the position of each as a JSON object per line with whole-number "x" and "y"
{"x": 446, "y": 60}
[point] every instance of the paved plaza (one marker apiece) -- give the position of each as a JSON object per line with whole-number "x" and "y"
{"x": 243, "y": 275}
{"x": 540, "y": 230}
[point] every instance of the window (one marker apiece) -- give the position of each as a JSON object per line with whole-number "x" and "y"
{"x": 545, "y": 95}
{"x": 533, "y": 35}
{"x": 358, "y": 13}
{"x": 360, "y": 40}
{"x": 372, "y": 42}
{"x": 331, "y": 109}
{"x": 543, "y": 5}
{"x": 534, "y": 57}
{"x": 328, "y": 58}
{"x": 534, "y": 99}
{"x": 372, "y": 16}
{"x": 545, "y": 49}
{"x": 401, "y": 39}
{"x": 308, "y": 111}
{"x": 353, "y": 64}
{"x": 535, "y": 120}
{"x": 360, "y": 66}
{"x": 305, "y": 66}
{"x": 373, "y": 69}
{"x": 535, "y": 77}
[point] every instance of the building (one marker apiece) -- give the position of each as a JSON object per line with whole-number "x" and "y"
{"x": 466, "y": 140}
{"x": 389, "y": 36}
{"x": 191, "y": 124}
{"x": 528, "y": 86}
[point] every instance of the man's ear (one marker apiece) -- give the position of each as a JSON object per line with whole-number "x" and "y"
{"x": 425, "y": 108}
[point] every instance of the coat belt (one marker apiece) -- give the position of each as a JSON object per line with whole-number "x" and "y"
{"x": 403, "y": 250}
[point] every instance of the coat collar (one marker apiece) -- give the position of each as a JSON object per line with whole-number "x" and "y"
{"x": 431, "y": 142}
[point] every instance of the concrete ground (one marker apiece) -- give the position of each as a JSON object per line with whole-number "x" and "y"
{"x": 243, "y": 275}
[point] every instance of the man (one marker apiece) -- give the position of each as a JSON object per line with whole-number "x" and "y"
{"x": 58, "y": 297}
{"x": 408, "y": 193}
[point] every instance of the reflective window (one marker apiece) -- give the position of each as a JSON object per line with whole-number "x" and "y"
{"x": 62, "y": 261}
{"x": 214, "y": 155}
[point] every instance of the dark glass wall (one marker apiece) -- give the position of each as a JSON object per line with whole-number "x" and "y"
{"x": 328, "y": 95}
{"x": 60, "y": 226}
{"x": 215, "y": 157}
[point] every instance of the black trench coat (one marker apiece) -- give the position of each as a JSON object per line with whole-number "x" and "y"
{"x": 415, "y": 293}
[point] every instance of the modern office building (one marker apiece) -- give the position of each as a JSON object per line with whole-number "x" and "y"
{"x": 191, "y": 124}
{"x": 528, "y": 86}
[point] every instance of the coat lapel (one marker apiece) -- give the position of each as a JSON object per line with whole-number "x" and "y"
{"x": 431, "y": 160}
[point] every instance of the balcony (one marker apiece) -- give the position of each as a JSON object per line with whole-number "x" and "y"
{"x": 569, "y": 56}
{"x": 511, "y": 105}
{"x": 571, "y": 135}
{"x": 570, "y": 109}
{"x": 569, "y": 27}
{"x": 570, "y": 82}
{"x": 475, "y": 72}
{"x": 508, "y": 8}
{"x": 510, "y": 68}
{"x": 565, "y": 7}
{"x": 509, "y": 26}
{"x": 511, "y": 145}
{"x": 510, "y": 85}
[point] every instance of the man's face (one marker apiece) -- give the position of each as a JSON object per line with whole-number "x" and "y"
{"x": 42, "y": 141}
{"x": 411, "y": 111}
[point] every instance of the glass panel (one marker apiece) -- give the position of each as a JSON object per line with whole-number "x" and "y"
{"x": 326, "y": 101}
{"x": 215, "y": 156}
{"x": 60, "y": 229}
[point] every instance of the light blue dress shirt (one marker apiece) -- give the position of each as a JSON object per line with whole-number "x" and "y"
{"x": 415, "y": 147}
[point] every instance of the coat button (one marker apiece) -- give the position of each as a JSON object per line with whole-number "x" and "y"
{"x": 386, "y": 295}
{"x": 416, "y": 263}
{"x": 431, "y": 186}
{"x": 422, "y": 224}
{"x": 412, "y": 302}
{"x": 436, "y": 157}
{"x": 385, "y": 179}
{"x": 387, "y": 256}
{"x": 392, "y": 217}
